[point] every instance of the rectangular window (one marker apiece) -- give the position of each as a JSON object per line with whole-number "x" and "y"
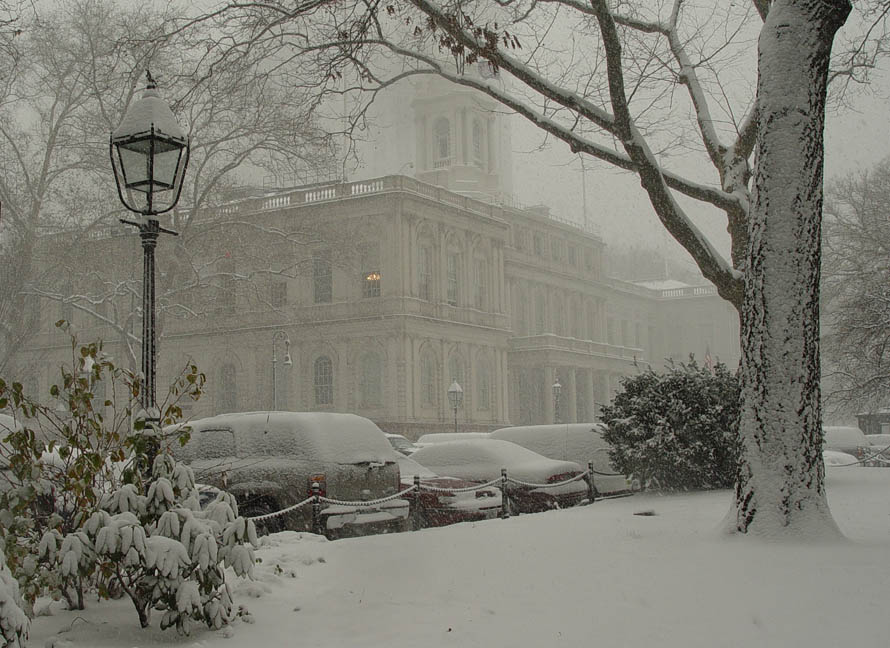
{"x": 425, "y": 269}
{"x": 556, "y": 249}
{"x": 480, "y": 284}
{"x": 573, "y": 256}
{"x": 588, "y": 259}
{"x": 278, "y": 294}
{"x": 538, "y": 241}
{"x": 452, "y": 279}
{"x": 370, "y": 275}
{"x": 322, "y": 278}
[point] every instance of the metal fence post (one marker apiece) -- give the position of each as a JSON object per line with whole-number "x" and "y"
{"x": 415, "y": 513}
{"x": 591, "y": 488}
{"x": 316, "y": 509}
{"x": 505, "y": 500}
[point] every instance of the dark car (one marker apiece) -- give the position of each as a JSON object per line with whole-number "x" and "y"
{"x": 481, "y": 460}
{"x": 436, "y": 507}
{"x": 270, "y": 460}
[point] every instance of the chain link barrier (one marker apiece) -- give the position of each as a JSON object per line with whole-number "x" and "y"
{"x": 316, "y": 499}
{"x": 269, "y": 516}
{"x": 374, "y": 502}
{"x": 583, "y": 475}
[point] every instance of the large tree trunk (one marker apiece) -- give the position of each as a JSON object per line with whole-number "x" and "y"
{"x": 780, "y": 487}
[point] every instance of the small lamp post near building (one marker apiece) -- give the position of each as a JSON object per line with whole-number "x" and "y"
{"x": 455, "y": 397}
{"x": 149, "y": 155}
{"x": 279, "y": 335}
{"x": 557, "y": 388}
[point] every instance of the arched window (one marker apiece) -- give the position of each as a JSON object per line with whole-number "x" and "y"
{"x": 478, "y": 148}
{"x": 428, "y": 380}
{"x": 591, "y": 322}
{"x": 228, "y": 389}
{"x": 425, "y": 272}
{"x": 559, "y": 316}
{"x": 483, "y": 385}
{"x": 540, "y": 311}
{"x": 480, "y": 285}
{"x": 521, "y": 312}
{"x": 456, "y": 371}
{"x": 323, "y": 377}
{"x": 576, "y": 320}
{"x": 453, "y": 278}
{"x": 441, "y": 143}
{"x": 370, "y": 380}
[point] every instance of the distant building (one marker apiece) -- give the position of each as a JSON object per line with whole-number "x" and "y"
{"x": 875, "y": 422}
{"x": 389, "y": 288}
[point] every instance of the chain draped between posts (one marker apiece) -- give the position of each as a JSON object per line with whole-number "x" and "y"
{"x": 316, "y": 499}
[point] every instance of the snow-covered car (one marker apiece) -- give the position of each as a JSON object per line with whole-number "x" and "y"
{"x": 836, "y": 459}
{"x": 401, "y": 444}
{"x": 442, "y": 437}
{"x": 438, "y": 508}
{"x": 270, "y": 460}
{"x": 582, "y": 443}
{"x": 849, "y": 439}
{"x": 482, "y": 459}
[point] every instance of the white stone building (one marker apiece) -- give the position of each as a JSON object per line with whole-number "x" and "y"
{"x": 390, "y": 287}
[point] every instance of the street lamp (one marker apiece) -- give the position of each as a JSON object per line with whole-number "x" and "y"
{"x": 279, "y": 335}
{"x": 556, "y": 389}
{"x": 455, "y": 397}
{"x": 147, "y": 158}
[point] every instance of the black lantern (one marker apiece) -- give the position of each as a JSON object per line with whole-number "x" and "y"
{"x": 148, "y": 162}
{"x": 455, "y": 397}
{"x": 147, "y": 155}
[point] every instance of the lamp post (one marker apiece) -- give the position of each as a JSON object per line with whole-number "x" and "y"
{"x": 146, "y": 152}
{"x": 278, "y": 335}
{"x": 556, "y": 389}
{"x": 455, "y": 397}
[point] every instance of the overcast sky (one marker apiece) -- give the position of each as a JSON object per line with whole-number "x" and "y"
{"x": 856, "y": 139}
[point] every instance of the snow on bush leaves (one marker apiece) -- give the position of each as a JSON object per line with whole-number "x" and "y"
{"x": 676, "y": 430}
{"x": 14, "y": 623}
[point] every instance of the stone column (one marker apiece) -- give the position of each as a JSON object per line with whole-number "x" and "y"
{"x": 570, "y": 391}
{"x": 591, "y": 395}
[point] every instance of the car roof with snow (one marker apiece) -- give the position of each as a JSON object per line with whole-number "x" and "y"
{"x": 326, "y": 436}
{"x": 567, "y": 441}
{"x": 484, "y": 458}
{"x": 440, "y": 437}
{"x": 844, "y": 435}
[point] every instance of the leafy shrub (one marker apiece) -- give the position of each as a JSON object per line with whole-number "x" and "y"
{"x": 94, "y": 500}
{"x": 14, "y": 623}
{"x": 676, "y": 430}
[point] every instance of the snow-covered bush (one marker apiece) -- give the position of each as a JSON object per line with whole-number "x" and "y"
{"x": 676, "y": 430}
{"x": 94, "y": 500}
{"x": 14, "y": 622}
{"x": 163, "y": 551}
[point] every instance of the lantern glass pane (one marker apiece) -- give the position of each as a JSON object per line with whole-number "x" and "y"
{"x": 134, "y": 164}
{"x": 166, "y": 166}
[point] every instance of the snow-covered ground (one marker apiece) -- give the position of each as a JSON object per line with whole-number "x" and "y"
{"x": 640, "y": 571}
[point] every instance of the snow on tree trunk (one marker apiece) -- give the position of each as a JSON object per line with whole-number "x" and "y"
{"x": 780, "y": 486}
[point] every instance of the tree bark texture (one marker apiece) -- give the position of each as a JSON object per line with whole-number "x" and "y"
{"x": 780, "y": 486}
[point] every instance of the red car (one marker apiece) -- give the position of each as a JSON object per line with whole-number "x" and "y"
{"x": 437, "y": 508}
{"x": 482, "y": 459}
